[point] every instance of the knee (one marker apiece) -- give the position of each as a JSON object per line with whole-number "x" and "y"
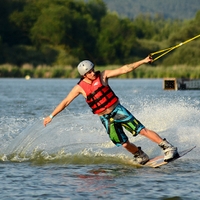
{"x": 126, "y": 144}
{"x": 146, "y": 132}
{"x": 143, "y": 131}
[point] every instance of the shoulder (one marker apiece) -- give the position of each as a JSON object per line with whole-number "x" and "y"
{"x": 76, "y": 89}
{"x": 104, "y": 77}
{"x": 106, "y": 74}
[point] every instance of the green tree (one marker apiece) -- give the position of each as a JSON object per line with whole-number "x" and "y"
{"x": 50, "y": 26}
{"x": 71, "y": 24}
{"x": 116, "y": 40}
{"x": 145, "y": 26}
{"x": 9, "y": 33}
{"x": 23, "y": 20}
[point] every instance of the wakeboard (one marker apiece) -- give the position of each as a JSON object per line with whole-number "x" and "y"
{"x": 159, "y": 160}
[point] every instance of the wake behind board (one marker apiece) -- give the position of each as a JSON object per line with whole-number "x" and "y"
{"x": 159, "y": 160}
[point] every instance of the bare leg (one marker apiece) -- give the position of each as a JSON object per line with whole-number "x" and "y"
{"x": 153, "y": 136}
{"x": 130, "y": 147}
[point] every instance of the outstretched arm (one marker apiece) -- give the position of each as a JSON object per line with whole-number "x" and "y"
{"x": 64, "y": 103}
{"x": 126, "y": 68}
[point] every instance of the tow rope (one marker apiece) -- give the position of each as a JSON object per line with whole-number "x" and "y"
{"x": 165, "y": 51}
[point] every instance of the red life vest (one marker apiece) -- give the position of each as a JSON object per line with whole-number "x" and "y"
{"x": 99, "y": 97}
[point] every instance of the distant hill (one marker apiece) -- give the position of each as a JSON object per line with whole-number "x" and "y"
{"x": 173, "y": 9}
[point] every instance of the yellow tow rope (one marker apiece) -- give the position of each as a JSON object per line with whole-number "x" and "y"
{"x": 165, "y": 51}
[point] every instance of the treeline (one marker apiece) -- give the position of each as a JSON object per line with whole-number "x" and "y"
{"x": 64, "y": 32}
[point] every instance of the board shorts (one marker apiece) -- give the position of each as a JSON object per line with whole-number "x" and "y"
{"x": 115, "y": 121}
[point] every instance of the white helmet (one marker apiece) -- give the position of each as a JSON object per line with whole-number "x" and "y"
{"x": 84, "y": 67}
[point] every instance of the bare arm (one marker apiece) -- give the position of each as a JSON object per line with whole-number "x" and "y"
{"x": 64, "y": 103}
{"x": 126, "y": 68}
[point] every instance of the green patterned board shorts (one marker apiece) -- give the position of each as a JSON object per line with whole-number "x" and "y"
{"x": 115, "y": 121}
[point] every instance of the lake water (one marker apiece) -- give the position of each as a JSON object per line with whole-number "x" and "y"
{"x": 73, "y": 158}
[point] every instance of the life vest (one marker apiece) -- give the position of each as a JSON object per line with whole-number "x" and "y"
{"x": 99, "y": 97}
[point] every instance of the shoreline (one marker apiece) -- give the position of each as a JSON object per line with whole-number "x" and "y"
{"x": 145, "y": 71}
